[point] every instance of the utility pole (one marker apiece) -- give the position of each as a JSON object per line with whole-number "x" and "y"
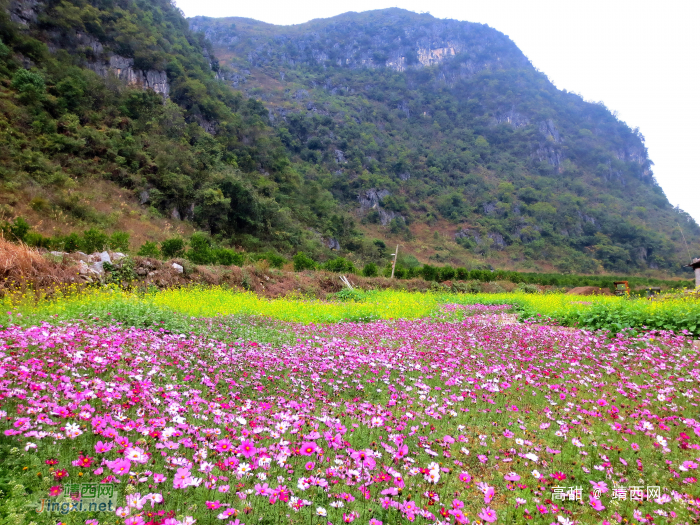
{"x": 393, "y": 266}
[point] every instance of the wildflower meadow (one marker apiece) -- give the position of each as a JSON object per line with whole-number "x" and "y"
{"x": 216, "y": 407}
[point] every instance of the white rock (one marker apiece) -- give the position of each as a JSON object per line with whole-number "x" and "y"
{"x": 116, "y": 256}
{"x": 178, "y": 268}
{"x": 97, "y": 268}
{"x": 58, "y": 254}
{"x": 83, "y": 268}
{"x": 104, "y": 257}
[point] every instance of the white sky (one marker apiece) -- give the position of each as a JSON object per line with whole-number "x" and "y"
{"x": 641, "y": 58}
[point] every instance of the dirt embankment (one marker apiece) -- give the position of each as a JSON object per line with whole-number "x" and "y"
{"x": 589, "y": 290}
{"x": 26, "y": 270}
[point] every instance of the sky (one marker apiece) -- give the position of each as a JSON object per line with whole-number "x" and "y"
{"x": 640, "y": 58}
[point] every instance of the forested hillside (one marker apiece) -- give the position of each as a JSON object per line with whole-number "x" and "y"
{"x": 123, "y": 92}
{"x": 416, "y": 121}
{"x": 346, "y": 135}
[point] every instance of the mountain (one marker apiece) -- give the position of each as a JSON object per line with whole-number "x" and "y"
{"x": 340, "y": 135}
{"x": 111, "y": 117}
{"x": 442, "y": 133}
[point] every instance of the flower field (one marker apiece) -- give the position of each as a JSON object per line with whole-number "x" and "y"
{"x": 415, "y": 408}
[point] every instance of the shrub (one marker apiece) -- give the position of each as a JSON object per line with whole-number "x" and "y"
{"x": 200, "y": 251}
{"x": 303, "y": 262}
{"x": 228, "y": 257}
{"x": 346, "y": 294}
{"x": 276, "y": 261}
{"x": 400, "y": 272}
{"x": 71, "y": 243}
{"x": 94, "y": 240}
{"x": 37, "y": 240}
{"x": 149, "y": 249}
{"x": 340, "y": 265}
{"x": 370, "y": 270}
{"x": 119, "y": 241}
{"x": 16, "y": 230}
{"x": 527, "y": 288}
{"x": 447, "y": 273}
{"x": 429, "y": 273}
{"x": 173, "y": 247}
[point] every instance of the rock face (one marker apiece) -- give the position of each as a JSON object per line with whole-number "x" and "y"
{"x": 371, "y": 200}
{"x": 123, "y": 69}
{"x": 104, "y": 62}
{"x": 24, "y": 12}
{"x": 404, "y": 41}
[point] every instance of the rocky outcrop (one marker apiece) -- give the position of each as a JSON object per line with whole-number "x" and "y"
{"x": 399, "y": 41}
{"x": 371, "y": 200}
{"x": 549, "y": 149}
{"x": 24, "y": 12}
{"x": 123, "y": 69}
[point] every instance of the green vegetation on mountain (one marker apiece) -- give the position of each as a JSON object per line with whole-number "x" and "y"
{"x": 351, "y": 134}
{"x": 205, "y": 154}
{"x": 447, "y": 123}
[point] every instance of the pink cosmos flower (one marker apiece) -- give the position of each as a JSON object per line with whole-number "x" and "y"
{"x": 228, "y": 512}
{"x": 247, "y": 448}
{"x": 224, "y": 445}
{"x": 465, "y": 477}
{"x": 182, "y": 479}
{"x": 600, "y": 486}
{"x": 488, "y": 494}
{"x": 310, "y": 465}
{"x": 153, "y": 498}
{"x": 489, "y": 515}
{"x": 262, "y": 490}
{"x": 101, "y": 447}
{"x": 120, "y": 466}
{"x": 595, "y": 503}
{"x": 511, "y": 476}
{"x": 308, "y": 448}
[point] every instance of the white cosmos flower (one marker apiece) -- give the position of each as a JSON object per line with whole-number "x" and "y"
{"x": 136, "y": 454}
{"x": 320, "y": 511}
{"x": 536, "y": 474}
{"x": 73, "y": 430}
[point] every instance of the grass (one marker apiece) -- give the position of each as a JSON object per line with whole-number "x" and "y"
{"x": 177, "y": 310}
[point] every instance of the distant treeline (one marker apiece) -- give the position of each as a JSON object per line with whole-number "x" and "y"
{"x": 200, "y": 248}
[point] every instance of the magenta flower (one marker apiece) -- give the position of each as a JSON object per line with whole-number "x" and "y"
{"x": 247, "y": 448}
{"x": 595, "y": 503}
{"x": 308, "y": 448}
{"x": 223, "y": 445}
{"x": 489, "y": 515}
{"x": 120, "y": 466}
